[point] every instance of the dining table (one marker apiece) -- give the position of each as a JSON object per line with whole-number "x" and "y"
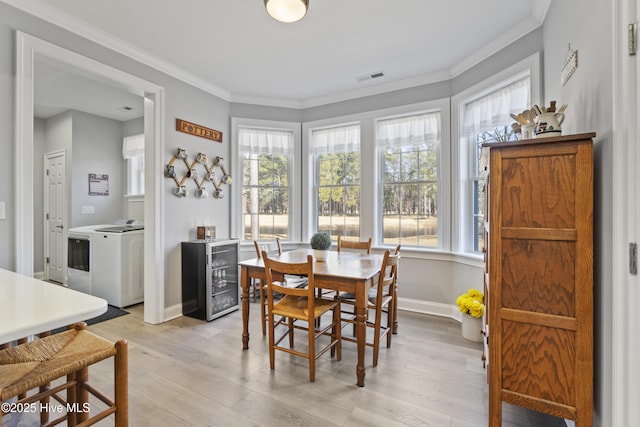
{"x": 341, "y": 271}
{"x": 30, "y": 306}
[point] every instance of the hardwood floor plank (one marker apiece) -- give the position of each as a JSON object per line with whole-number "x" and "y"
{"x": 192, "y": 373}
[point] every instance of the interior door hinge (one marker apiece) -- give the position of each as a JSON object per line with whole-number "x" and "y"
{"x": 47, "y": 216}
{"x": 47, "y": 172}
{"x": 47, "y": 260}
{"x": 633, "y": 258}
{"x": 632, "y": 38}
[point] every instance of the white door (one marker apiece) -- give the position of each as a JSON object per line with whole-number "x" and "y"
{"x": 54, "y": 217}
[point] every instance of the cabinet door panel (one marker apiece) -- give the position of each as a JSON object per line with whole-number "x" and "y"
{"x": 539, "y": 276}
{"x": 538, "y": 361}
{"x": 539, "y": 191}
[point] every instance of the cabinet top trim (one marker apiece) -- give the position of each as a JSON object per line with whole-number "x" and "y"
{"x": 553, "y": 139}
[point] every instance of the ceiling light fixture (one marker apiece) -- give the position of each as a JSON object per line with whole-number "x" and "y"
{"x": 287, "y": 10}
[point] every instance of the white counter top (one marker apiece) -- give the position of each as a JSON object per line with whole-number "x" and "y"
{"x": 29, "y": 306}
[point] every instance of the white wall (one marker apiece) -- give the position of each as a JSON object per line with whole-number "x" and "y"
{"x": 587, "y": 25}
{"x": 97, "y": 148}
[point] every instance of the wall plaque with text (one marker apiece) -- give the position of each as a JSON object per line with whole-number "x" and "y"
{"x": 197, "y": 130}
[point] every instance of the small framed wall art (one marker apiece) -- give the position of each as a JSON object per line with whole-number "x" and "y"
{"x": 98, "y": 184}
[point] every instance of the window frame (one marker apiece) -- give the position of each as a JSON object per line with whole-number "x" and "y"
{"x": 443, "y": 153}
{"x": 315, "y": 167}
{"x": 370, "y": 197}
{"x": 463, "y": 158}
{"x": 295, "y": 176}
{"x": 135, "y": 173}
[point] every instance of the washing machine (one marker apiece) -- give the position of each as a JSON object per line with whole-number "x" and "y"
{"x": 79, "y": 257}
{"x": 117, "y": 267}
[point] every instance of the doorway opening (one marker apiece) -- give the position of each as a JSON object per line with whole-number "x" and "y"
{"x": 30, "y": 49}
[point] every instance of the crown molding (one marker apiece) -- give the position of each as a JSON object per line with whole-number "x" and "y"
{"x": 345, "y": 95}
{"x": 496, "y": 46}
{"x": 56, "y": 17}
{"x": 52, "y": 15}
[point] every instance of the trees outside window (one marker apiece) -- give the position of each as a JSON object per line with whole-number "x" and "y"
{"x": 336, "y": 154}
{"x": 409, "y": 148}
{"x": 266, "y": 156}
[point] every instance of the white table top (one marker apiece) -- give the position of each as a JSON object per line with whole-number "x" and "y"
{"x": 29, "y": 306}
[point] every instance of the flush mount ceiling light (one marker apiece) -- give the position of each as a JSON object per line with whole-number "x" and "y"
{"x": 287, "y": 10}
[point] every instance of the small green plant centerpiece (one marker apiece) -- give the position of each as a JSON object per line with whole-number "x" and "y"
{"x": 320, "y": 243}
{"x": 472, "y": 307}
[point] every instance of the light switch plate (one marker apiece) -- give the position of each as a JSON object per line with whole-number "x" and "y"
{"x": 88, "y": 210}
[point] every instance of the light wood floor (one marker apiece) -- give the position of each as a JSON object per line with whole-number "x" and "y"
{"x": 191, "y": 373}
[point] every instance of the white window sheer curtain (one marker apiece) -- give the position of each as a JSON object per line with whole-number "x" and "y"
{"x": 493, "y": 109}
{"x": 408, "y": 130}
{"x": 265, "y": 141}
{"x": 340, "y": 139}
{"x": 133, "y": 146}
{"x": 133, "y": 152}
{"x": 252, "y": 143}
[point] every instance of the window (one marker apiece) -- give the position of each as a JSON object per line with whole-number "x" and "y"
{"x": 484, "y": 117}
{"x": 409, "y": 149}
{"x": 133, "y": 152}
{"x": 336, "y": 154}
{"x": 266, "y": 163}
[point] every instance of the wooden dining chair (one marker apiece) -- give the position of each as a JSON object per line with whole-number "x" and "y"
{"x": 259, "y": 286}
{"x": 382, "y": 299}
{"x": 363, "y": 245}
{"x": 299, "y": 305}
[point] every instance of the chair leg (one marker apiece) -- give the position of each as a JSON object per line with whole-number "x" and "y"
{"x": 290, "y": 322}
{"x": 337, "y": 327}
{"x": 390, "y": 321}
{"x": 121, "y": 384}
{"x": 376, "y": 336}
{"x": 272, "y": 339}
{"x": 263, "y": 310}
{"x": 72, "y": 394}
{"x": 312, "y": 353}
{"x": 82, "y": 395}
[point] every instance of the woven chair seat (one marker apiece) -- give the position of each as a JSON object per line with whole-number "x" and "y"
{"x": 29, "y": 365}
{"x": 32, "y": 366}
{"x": 296, "y": 307}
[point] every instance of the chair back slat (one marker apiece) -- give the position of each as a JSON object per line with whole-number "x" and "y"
{"x": 363, "y": 245}
{"x": 275, "y": 272}
{"x": 272, "y": 248}
{"x": 388, "y": 274}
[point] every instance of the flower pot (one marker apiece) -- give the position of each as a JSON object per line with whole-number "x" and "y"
{"x": 472, "y": 328}
{"x": 320, "y": 255}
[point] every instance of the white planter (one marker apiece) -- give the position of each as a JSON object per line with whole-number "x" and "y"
{"x": 320, "y": 255}
{"x": 472, "y": 328}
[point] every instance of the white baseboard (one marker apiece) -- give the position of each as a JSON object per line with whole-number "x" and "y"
{"x": 432, "y": 308}
{"x": 38, "y": 275}
{"x": 172, "y": 312}
{"x": 570, "y": 423}
{"x": 407, "y": 304}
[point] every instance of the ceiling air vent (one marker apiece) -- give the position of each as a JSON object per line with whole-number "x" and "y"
{"x": 370, "y": 76}
{"x": 125, "y": 109}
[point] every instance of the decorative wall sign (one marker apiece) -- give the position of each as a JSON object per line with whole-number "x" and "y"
{"x": 197, "y": 130}
{"x": 570, "y": 65}
{"x": 215, "y": 173}
{"x": 98, "y": 184}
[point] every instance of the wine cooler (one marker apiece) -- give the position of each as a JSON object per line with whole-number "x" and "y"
{"x": 210, "y": 278}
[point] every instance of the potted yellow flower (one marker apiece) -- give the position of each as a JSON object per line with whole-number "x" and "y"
{"x": 471, "y": 306}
